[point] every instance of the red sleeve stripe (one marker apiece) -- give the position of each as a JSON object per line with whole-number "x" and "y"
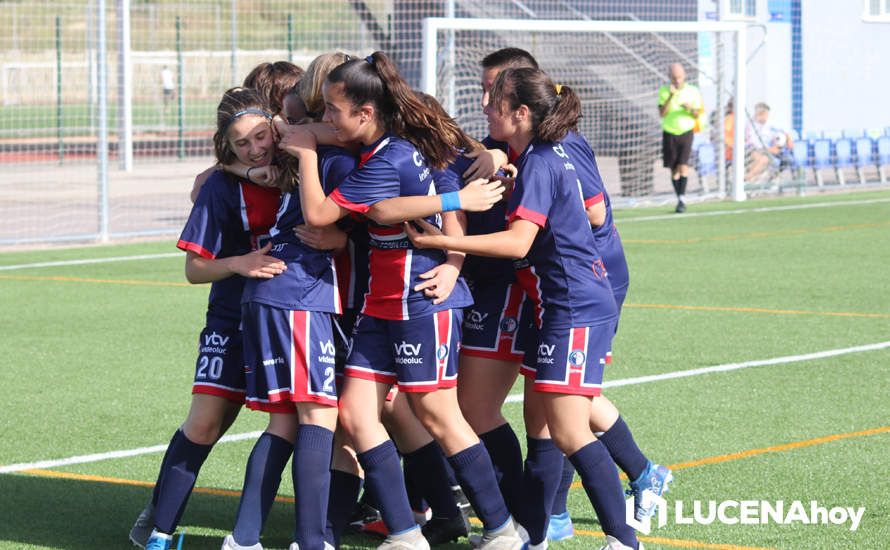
{"x": 196, "y": 248}
{"x": 338, "y": 198}
{"x": 596, "y": 199}
{"x": 524, "y": 213}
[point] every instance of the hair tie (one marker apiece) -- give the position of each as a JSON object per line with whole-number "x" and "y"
{"x": 558, "y": 89}
{"x": 370, "y": 59}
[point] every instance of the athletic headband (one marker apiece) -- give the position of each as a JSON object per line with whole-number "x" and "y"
{"x": 252, "y": 111}
{"x": 558, "y": 89}
{"x": 248, "y": 111}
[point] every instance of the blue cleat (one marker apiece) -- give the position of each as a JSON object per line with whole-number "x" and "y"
{"x": 159, "y": 541}
{"x": 653, "y": 482}
{"x": 560, "y": 527}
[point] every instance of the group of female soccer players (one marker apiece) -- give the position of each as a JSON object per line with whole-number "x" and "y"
{"x": 345, "y": 203}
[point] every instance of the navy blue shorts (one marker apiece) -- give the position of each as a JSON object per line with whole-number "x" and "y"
{"x": 219, "y": 369}
{"x": 420, "y": 355}
{"x": 569, "y": 360}
{"x": 288, "y": 357}
{"x": 494, "y": 323}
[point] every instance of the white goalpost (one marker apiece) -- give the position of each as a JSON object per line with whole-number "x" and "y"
{"x": 616, "y": 67}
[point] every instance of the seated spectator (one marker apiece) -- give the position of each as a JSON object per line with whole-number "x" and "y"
{"x": 765, "y": 145}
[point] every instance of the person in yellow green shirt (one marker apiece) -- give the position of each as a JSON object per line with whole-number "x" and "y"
{"x": 679, "y": 105}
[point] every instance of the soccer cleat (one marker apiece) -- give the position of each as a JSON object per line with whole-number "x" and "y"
{"x": 475, "y": 540}
{"x": 295, "y": 546}
{"x": 420, "y": 518}
{"x": 409, "y": 540}
{"x": 504, "y": 538}
{"x": 141, "y": 531}
{"x": 653, "y": 482}
{"x": 158, "y": 541}
{"x": 230, "y": 544}
{"x": 530, "y": 546}
{"x": 614, "y": 544}
{"x": 560, "y": 527}
{"x": 442, "y": 530}
{"x": 462, "y": 501}
{"x": 681, "y": 207}
{"x": 367, "y": 519}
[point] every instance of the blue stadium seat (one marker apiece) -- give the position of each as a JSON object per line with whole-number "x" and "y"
{"x": 821, "y": 158}
{"x": 801, "y": 154}
{"x": 864, "y": 156}
{"x": 843, "y": 157}
{"x": 882, "y": 146}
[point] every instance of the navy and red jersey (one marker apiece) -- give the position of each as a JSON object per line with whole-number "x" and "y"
{"x": 608, "y": 242}
{"x": 229, "y": 218}
{"x": 352, "y": 263}
{"x": 310, "y": 282}
{"x": 484, "y": 270}
{"x": 565, "y": 276}
{"x": 393, "y": 167}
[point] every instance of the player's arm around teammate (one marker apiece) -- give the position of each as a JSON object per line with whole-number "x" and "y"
{"x": 408, "y": 339}
{"x": 549, "y": 223}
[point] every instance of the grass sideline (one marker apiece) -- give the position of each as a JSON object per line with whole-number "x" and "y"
{"x": 99, "y": 358}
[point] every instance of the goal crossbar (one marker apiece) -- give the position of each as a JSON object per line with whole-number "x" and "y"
{"x": 432, "y": 26}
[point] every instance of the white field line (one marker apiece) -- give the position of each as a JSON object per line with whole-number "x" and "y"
{"x": 510, "y": 399}
{"x": 91, "y": 261}
{"x": 732, "y": 366}
{"x": 83, "y": 459}
{"x": 622, "y": 221}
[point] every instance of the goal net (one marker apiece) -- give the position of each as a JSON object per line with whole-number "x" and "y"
{"x": 616, "y": 67}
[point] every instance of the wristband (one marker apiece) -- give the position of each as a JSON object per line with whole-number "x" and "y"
{"x": 247, "y": 175}
{"x": 450, "y": 201}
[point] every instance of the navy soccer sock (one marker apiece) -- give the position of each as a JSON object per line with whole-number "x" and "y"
{"x": 681, "y": 186}
{"x": 543, "y": 468}
{"x": 506, "y": 457}
{"x": 562, "y": 492}
{"x": 474, "y": 471}
{"x": 261, "y": 480}
{"x": 600, "y": 479}
{"x": 341, "y": 502}
{"x": 383, "y": 476}
{"x": 311, "y": 469}
{"x": 624, "y": 450}
{"x": 413, "y": 487}
{"x": 184, "y": 461}
{"x": 177, "y": 435}
{"x": 426, "y": 469}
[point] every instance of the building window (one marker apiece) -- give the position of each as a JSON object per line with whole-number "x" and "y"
{"x": 876, "y": 10}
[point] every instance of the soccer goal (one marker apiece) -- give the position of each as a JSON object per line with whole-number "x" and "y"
{"x": 616, "y": 67}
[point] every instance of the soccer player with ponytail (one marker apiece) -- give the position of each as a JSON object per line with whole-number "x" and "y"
{"x": 402, "y": 336}
{"x": 564, "y": 276}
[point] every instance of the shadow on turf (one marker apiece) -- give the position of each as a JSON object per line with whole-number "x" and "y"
{"x": 73, "y": 514}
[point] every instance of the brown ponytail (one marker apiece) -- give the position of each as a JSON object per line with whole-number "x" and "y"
{"x": 375, "y": 80}
{"x": 554, "y": 113}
